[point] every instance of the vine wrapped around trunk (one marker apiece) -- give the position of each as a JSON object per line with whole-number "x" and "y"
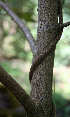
{"x": 39, "y": 103}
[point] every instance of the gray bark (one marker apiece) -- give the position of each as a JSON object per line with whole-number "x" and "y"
{"x": 39, "y": 103}
{"x": 41, "y": 84}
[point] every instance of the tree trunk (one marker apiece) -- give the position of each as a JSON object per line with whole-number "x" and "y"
{"x": 39, "y": 103}
{"x": 41, "y": 83}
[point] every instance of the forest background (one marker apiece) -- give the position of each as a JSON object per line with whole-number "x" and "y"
{"x": 16, "y": 56}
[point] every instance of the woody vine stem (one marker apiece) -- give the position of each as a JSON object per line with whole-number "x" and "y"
{"x": 30, "y": 38}
{"x": 51, "y": 46}
{"x": 7, "y": 80}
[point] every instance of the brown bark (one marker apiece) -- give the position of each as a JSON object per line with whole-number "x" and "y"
{"x": 41, "y": 84}
{"x": 17, "y": 91}
{"x": 39, "y": 103}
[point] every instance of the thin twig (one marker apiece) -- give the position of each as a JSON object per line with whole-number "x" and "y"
{"x": 47, "y": 52}
{"x": 64, "y": 25}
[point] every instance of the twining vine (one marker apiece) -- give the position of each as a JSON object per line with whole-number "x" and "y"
{"x": 51, "y": 46}
{"x": 9, "y": 82}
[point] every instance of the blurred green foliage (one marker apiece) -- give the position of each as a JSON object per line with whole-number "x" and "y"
{"x": 13, "y": 45}
{"x": 62, "y": 106}
{"x": 23, "y": 8}
{"x": 12, "y": 40}
{"x": 19, "y": 72}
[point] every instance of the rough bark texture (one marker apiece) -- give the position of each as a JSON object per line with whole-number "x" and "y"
{"x": 41, "y": 84}
{"x": 39, "y": 103}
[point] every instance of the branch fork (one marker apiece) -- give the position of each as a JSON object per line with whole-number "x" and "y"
{"x": 6, "y": 79}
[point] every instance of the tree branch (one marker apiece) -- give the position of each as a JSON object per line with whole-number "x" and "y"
{"x": 17, "y": 91}
{"x": 48, "y": 51}
{"x": 21, "y": 25}
{"x": 41, "y": 57}
{"x": 64, "y": 25}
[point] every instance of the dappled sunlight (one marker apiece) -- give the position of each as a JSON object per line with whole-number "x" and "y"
{"x": 22, "y": 65}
